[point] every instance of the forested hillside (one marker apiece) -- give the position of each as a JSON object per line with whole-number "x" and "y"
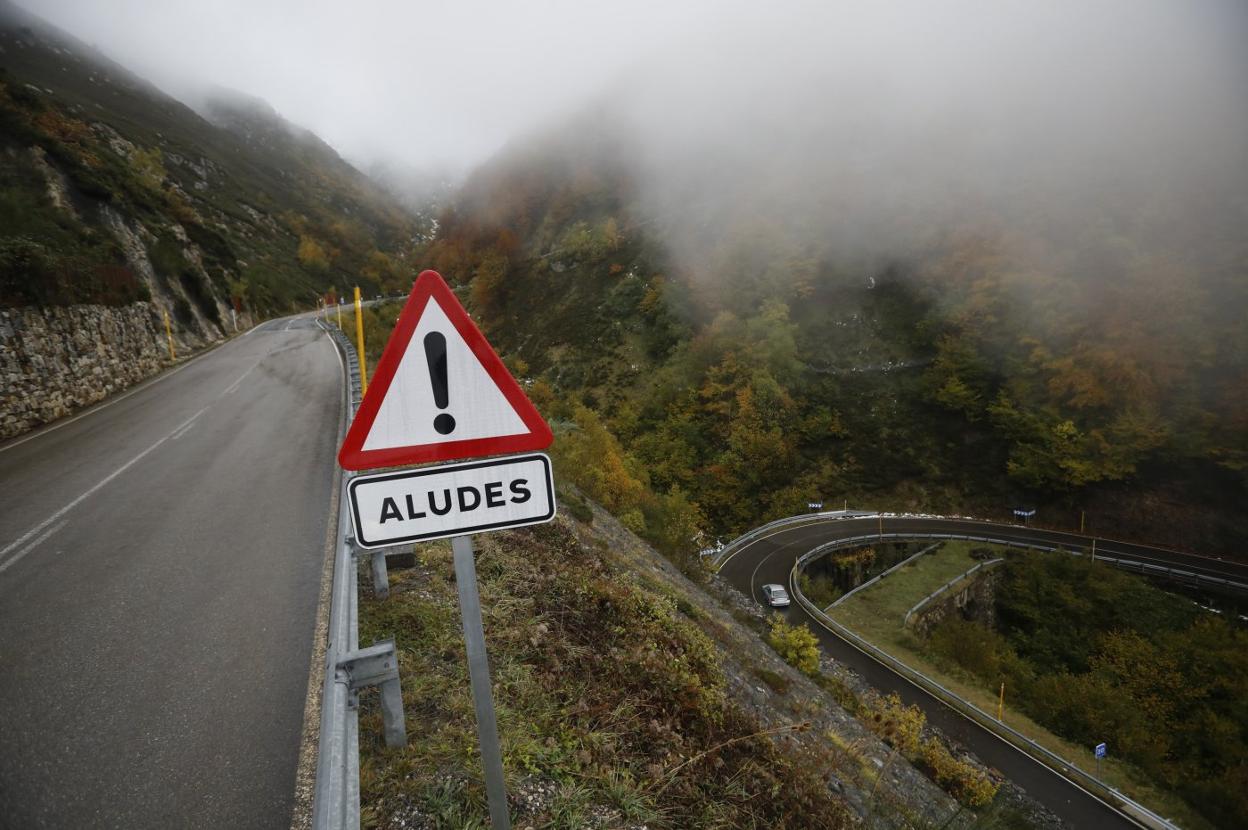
{"x": 1081, "y": 357}
{"x": 114, "y": 191}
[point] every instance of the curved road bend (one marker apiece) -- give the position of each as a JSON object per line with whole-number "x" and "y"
{"x": 160, "y": 565}
{"x": 771, "y": 558}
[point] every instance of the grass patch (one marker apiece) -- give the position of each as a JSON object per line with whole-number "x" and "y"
{"x": 878, "y": 611}
{"x": 576, "y": 507}
{"x": 777, "y": 681}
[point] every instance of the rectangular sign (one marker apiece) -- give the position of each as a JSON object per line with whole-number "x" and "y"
{"x": 451, "y": 500}
{"x": 1100, "y": 750}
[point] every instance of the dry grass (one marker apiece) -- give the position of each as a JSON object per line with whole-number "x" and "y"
{"x": 611, "y": 704}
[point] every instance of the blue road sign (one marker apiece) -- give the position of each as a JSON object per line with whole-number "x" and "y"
{"x": 1100, "y": 750}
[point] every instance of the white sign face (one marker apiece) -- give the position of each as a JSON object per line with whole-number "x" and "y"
{"x": 451, "y": 500}
{"x": 406, "y": 416}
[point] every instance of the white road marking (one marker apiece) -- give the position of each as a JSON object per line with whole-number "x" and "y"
{"x": 233, "y": 387}
{"x": 101, "y": 483}
{"x": 32, "y": 545}
{"x": 763, "y": 561}
{"x": 183, "y": 430}
{"x": 337, "y": 354}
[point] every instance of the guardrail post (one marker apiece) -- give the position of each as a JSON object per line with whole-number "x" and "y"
{"x": 378, "y": 665}
{"x": 381, "y": 579}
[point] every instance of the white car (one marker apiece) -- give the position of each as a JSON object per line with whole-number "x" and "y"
{"x": 775, "y": 595}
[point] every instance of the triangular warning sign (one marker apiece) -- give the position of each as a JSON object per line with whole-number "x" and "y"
{"x": 439, "y": 392}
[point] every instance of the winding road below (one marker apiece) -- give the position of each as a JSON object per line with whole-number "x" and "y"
{"x": 769, "y": 556}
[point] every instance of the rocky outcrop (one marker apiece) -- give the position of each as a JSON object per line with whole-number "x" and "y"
{"x": 56, "y": 360}
{"x": 974, "y": 599}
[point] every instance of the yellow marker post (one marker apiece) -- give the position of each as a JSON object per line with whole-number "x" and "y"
{"x": 169, "y": 334}
{"x": 1082, "y": 515}
{"x": 1001, "y": 703}
{"x": 359, "y": 339}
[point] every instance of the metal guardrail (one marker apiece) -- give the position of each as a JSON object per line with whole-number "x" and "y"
{"x": 1131, "y": 809}
{"x": 348, "y": 668}
{"x": 1179, "y": 574}
{"x": 947, "y": 586}
{"x": 744, "y": 539}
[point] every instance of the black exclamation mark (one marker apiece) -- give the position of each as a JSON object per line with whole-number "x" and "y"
{"x": 435, "y": 354}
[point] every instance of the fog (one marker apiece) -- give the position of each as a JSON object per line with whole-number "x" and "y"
{"x": 862, "y": 125}
{"x": 423, "y": 84}
{"x": 866, "y": 129}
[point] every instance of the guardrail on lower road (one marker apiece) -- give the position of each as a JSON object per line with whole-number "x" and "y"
{"x": 1131, "y": 809}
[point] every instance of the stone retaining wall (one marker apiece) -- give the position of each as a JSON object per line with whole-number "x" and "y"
{"x": 56, "y": 360}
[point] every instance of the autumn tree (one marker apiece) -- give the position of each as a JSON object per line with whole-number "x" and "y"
{"x": 311, "y": 254}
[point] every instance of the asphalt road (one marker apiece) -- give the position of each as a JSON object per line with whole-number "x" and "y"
{"x": 770, "y": 559}
{"x": 160, "y": 565}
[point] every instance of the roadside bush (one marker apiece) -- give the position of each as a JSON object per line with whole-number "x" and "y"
{"x": 898, "y": 724}
{"x": 976, "y": 648}
{"x": 820, "y": 589}
{"x": 796, "y": 644}
{"x": 965, "y": 782}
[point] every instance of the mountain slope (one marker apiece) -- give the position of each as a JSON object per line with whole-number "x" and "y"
{"x": 726, "y": 359}
{"x": 116, "y": 191}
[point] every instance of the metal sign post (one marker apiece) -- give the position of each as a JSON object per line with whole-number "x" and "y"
{"x": 441, "y": 393}
{"x": 479, "y": 677}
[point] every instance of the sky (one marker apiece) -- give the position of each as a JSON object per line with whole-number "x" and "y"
{"x": 427, "y": 83}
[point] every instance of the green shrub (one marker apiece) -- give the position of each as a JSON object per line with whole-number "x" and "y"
{"x": 820, "y": 589}
{"x": 967, "y": 783}
{"x": 796, "y": 644}
{"x": 898, "y": 724}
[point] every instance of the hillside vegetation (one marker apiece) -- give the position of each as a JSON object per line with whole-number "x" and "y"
{"x": 1098, "y": 655}
{"x": 1109, "y": 377}
{"x": 115, "y": 192}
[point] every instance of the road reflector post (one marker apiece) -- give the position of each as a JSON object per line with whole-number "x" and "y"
{"x": 359, "y": 340}
{"x": 169, "y": 334}
{"x": 479, "y": 677}
{"x": 1001, "y": 703}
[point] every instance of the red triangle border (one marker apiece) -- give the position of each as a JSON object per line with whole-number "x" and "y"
{"x": 430, "y": 285}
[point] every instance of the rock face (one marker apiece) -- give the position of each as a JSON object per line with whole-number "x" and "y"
{"x": 59, "y": 359}
{"x": 973, "y": 600}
